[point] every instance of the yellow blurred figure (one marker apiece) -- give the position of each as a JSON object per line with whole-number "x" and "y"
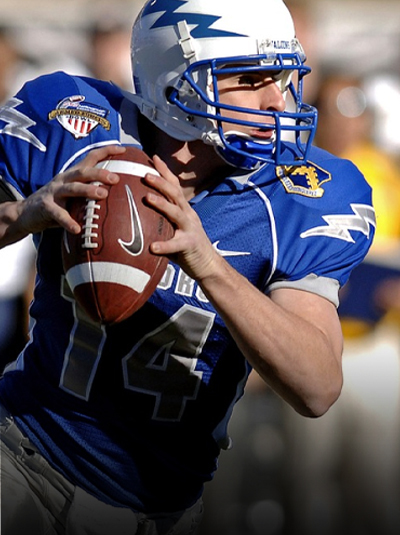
{"x": 384, "y": 177}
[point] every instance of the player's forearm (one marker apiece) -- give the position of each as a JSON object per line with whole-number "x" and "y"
{"x": 10, "y": 229}
{"x": 293, "y": 356}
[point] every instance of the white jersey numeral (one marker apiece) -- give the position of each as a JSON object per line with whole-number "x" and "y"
{"x": 162, "y": 364}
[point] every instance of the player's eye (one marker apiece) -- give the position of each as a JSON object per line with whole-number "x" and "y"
{"x": 257, "y": 79}
{"x": 249, "y": 79}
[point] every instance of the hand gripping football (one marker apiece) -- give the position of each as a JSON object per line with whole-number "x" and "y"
{"x": 108, "y": 265}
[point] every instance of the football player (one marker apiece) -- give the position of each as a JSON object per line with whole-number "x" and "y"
{"x": 115, "y": 429}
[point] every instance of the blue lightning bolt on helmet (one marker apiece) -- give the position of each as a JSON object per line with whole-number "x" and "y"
{"x": 180, "y": 47}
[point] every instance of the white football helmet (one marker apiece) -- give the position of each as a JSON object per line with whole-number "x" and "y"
{"x": 179, "y": 47}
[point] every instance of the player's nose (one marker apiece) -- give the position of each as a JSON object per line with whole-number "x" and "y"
{"x": 271, "y": 98}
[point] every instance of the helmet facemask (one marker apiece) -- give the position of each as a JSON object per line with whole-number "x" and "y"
{"x": 197, "y": 96}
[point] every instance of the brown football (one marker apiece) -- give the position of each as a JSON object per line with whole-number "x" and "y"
{"x": 108, "y": 265}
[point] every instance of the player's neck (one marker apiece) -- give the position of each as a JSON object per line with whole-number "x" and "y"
{"x": 197, "y": 165}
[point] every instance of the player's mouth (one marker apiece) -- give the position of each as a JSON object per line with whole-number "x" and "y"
{"x": 267, "y": 134}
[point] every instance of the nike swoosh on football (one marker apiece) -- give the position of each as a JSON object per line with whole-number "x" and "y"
{"x": 135, "y": 245}
{"x": 228, "y": 253}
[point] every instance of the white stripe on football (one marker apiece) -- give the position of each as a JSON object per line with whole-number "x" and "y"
{"x": 127, "y": 168}
{"x": 94, "y": 272}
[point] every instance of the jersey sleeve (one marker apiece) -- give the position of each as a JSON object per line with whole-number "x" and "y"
{"x": 52, "y": 122}
{"x": 322, "y": 238}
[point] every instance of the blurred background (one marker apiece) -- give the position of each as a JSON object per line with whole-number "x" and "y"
{"x": 285, "y": 475}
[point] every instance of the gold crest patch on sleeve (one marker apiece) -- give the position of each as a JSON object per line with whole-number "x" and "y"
{"x": 303, "y": 180}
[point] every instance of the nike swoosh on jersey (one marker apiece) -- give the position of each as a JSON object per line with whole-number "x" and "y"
{"x": 135, "y": 245}
{"x": 228, "y": 253}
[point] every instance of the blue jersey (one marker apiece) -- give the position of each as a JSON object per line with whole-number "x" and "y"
{"x": 131, "y": 411}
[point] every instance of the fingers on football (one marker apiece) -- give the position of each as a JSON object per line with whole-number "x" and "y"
{"x": 90, "y": 174}
{"x": 85, "y": 171}
{"x": 97, "y": 155}
{"x": 171, "y": 202}
{"x": 67, "y": 222}
{"x": 165, "y": 172}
